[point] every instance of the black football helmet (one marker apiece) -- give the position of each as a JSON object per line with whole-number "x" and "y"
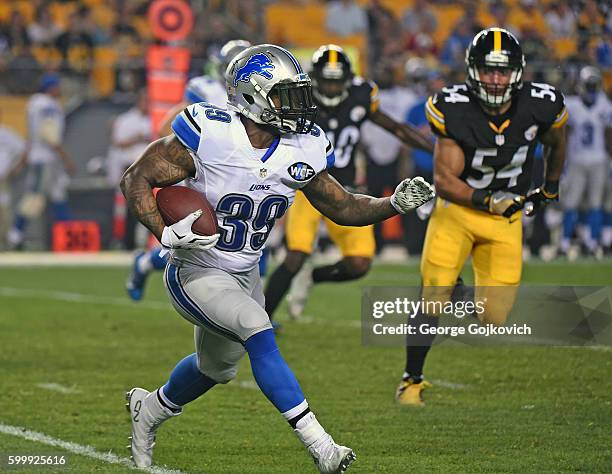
{"x": 494, "y": 48}
{"x": 331, "y": 75}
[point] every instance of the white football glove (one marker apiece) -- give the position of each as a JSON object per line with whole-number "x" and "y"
{"x": 180, "y": 236}
{"x": 412, "y": 193}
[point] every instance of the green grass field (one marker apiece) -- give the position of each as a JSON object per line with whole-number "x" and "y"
{"x": 521, "y": 409}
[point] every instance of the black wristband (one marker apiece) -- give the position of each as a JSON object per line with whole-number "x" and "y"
{"x": 551, "y": 187}
{"x": 480, "y": 199}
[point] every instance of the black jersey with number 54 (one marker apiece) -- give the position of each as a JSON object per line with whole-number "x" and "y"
{"x": 342, "y": 125}
{"x": 498, "y": 149}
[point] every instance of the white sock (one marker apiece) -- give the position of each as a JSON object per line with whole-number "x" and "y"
{"x": 309, "y": 430}
{"x": 295, "y": 411}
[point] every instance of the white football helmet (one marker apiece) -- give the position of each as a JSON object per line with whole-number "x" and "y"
{"x": 589, "y": 84}
{"x": 266, "y": 84}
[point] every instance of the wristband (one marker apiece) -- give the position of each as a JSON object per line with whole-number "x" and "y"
{"x": 551, "y": 189}
{"x": 480, "y": 199}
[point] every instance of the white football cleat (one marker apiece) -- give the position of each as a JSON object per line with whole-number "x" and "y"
{"x": 331, "y": 458}
{"x": 300, "y": 289}
{"x": 146, "y": 413}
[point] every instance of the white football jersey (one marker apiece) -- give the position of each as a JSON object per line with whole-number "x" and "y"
{"x": 249, "y": 190}
{"x": 206, "y": 89}
{"x": 587, "y": 129}
{"x": 382, "y": 146}
{"x": 45, "y": 125}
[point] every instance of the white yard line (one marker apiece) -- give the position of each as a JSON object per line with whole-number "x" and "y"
{"x": 71, "y": 297}
{"x": 447, "y": 384}
{"x": 81, "y": 450}
{"x": 68, "y": 259}
{"x": 56, "y": 387}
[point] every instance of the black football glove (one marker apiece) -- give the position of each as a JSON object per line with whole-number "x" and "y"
{"x": 540, "y": 197}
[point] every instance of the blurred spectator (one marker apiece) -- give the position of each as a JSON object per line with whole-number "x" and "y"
{"x": 386, "y": 156}
{"x": 216, "y": 34}
{"x": 47, "y": 160}
{"x": 527, "y": 15}
{"x": 497, "y": 15}
{"x": 14, "y": 33}
{"x": 43, "y": 31}
{"x": 379, "y": 20}
{"x": 603, "y": 50}
{"x": 591, "y": 22}
{"x": 130, "y": 135}
{"x": 130, "y": 73}
{"x": 422, "y": 161}
{"x": 345, "y": 18}
{"x": 533, "y": 44}
{"x": 453, "y": 52}
{"x": 422, "y": 45}
{"x": 419, "y": 18}
{"x": 89, "y": 26}
{"x": 561, "y": 20}
{"x": 12, "y": 147}
{"x": 124, "y": 25}
{"x": 23, "y": 71}
{"x": 76, "y": 46}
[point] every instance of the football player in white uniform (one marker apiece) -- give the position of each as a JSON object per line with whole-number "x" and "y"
{"x": 199, "y": 89}
{"x": 48, "y": 163}
{"x": 590, "y": 122}
{"x": 248, "y": 160}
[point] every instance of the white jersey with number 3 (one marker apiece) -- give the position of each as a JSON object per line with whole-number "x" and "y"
{"x": 249, "y": 190}
{"x": 587, "y": 129}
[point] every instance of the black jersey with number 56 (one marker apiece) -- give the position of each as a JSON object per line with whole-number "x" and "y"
{"x": 498, "y": 149}
{"x": 342, "y": 125}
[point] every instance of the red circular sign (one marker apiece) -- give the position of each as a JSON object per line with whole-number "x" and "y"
{"x": 170, "y": 20}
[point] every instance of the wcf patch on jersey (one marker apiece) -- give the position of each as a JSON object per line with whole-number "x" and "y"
{"x": 301, "y": 171}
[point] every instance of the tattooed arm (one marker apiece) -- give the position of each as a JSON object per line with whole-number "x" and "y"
{"x": 165, "y": 162}
{"x": 344, "y": 208}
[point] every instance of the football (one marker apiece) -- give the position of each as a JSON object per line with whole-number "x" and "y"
{"x": 176, "y": 202}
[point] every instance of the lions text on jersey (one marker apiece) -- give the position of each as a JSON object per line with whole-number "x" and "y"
{"x": 248, "y": 191}
{"x": 498, "y": 149}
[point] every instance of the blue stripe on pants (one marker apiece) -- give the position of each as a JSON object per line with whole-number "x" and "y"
{"x": 190, "y": 307}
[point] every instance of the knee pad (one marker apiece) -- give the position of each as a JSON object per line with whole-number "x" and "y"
{"x": 218, "y": 371}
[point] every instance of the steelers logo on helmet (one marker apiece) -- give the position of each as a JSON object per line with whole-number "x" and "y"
{"x": 266, "y": 84}
{"x": 495, "y": 63}
{"x": 331, "y": 75}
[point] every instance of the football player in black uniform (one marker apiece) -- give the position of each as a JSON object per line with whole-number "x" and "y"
{"x": 344, "y": 102}
{"x": 487, "y": 130}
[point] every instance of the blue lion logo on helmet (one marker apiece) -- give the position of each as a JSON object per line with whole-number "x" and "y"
{"x": 256, "y": 64}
